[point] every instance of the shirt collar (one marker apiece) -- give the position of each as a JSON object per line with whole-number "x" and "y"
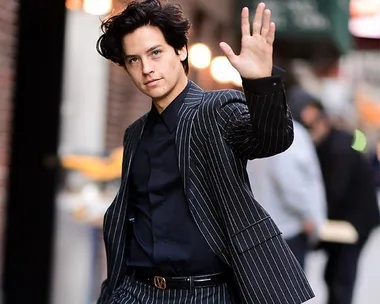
{"x": 170, "y": 114}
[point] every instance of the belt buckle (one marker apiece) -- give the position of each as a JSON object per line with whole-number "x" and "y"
{"x": 159, "y": 282}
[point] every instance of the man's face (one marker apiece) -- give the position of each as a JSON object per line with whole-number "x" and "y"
{"x": 153, "y": 64}
{"x": 315, "y": 122}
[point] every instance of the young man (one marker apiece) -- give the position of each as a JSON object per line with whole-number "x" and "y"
{"x": 184, "y": 226}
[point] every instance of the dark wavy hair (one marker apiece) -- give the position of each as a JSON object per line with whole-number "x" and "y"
{"x": 167, "y": 17}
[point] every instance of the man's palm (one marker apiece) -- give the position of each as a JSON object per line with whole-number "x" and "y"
{"x": 256, "y": 56}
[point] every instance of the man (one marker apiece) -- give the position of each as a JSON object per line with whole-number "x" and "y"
{"x": 351, "y": 196}
{"x": 184, "y": 226}
{"x": 291, "y": 189}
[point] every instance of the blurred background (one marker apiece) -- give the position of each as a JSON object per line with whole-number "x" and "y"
{"x": 64, "y": 109}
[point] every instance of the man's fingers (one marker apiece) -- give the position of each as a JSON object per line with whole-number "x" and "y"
{"x": 258, "y": 19}
{"x": 271, "y": 33}
{"x": 245, "y": 27}
{"x": 266, "y": 23}
{"x": 227, "y": 50}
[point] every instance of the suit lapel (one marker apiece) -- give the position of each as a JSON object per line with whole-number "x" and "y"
{"x": 131, "y": 140}
{"x": 118, "y": 260}
{"x": 183, "y": 133}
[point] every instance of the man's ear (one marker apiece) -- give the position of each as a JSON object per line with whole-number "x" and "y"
{"x": 182, "y": 53}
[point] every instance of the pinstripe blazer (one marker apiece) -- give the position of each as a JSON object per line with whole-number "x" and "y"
{"x": 217, "y": 132}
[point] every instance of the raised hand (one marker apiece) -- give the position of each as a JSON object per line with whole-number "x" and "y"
{"x": 256, "y": 56}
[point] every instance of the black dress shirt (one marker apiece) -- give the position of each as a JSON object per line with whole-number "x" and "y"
{"x": 165, "y": 238}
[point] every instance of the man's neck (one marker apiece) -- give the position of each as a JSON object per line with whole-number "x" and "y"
{"x": 163, "y": 102}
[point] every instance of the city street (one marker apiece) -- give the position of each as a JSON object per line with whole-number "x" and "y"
{"x": 368, "y": 284}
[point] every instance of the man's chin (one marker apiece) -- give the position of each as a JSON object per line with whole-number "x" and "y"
{"x": 155, "y": 93}
{"x": 152, "y": 94}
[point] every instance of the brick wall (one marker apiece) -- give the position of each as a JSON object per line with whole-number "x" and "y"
{"x": 8, "y": 26}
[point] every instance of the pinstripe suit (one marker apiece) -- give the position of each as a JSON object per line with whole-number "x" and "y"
{"x": 217, "y": 132}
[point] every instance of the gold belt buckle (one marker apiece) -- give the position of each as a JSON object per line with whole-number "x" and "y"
{"x": 159, "y": 282}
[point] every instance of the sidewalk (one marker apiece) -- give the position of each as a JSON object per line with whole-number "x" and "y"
{"x": 368, "y": 281}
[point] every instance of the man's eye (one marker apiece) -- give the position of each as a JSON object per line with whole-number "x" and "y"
{"x": 132, "y": 60}
{"x": 156, "y": 52}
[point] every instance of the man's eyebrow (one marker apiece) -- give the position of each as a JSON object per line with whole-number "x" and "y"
{"x": 153, "y": 48}
{"x": 148, "y": 51}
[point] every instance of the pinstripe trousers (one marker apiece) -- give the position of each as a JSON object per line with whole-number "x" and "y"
{"x": 135, "y": 292}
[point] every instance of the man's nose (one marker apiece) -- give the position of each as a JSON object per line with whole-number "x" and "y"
{"x": 147, "y": 67}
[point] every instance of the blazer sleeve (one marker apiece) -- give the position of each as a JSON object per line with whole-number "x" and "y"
{"x": 259, "y": 125}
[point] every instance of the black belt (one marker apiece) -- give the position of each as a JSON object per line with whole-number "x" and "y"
{"x": 164, "y": 282}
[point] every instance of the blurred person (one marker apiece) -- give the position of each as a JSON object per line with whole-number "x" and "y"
{"x": 184, "y": 226}
{"x": 297, "y": 99}
{"x": 351, "y": 196}
{"x": 291, "y": 189}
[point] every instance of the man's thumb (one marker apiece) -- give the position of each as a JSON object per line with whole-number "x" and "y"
{"x": 227, "y": 50}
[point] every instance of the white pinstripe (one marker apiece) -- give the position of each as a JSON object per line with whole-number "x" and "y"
{"x": 216, "y": 133}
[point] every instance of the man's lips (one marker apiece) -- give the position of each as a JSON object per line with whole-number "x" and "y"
{"x": 151, "y": 82}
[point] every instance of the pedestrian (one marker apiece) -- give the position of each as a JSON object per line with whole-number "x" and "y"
{"x": 351, "y": 196}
